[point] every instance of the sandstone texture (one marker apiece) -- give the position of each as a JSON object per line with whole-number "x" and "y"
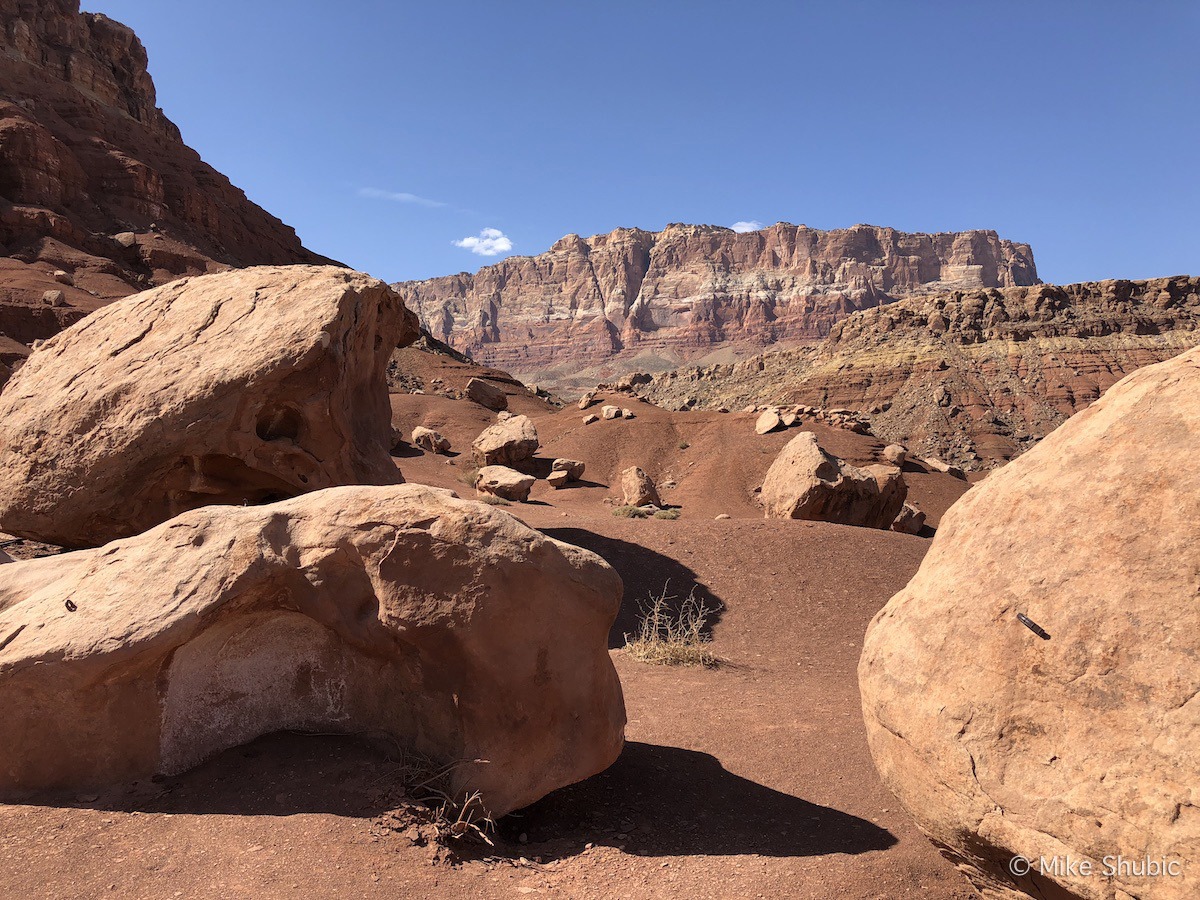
{"x": 501, "y": 481}
{"x": 638, "y": 489}
{"x": 974, "y": 377}
{"x": 1085, "y": 744}
{"x": 429, "y": 440}
{"x": 246, "y": 386}
{"x": 445, "y": 626}
{"x": 805, "y": 482}
{"x": 99, "y": 196}
{"x": 509, "y": 441}
{"x": 690, "y": 289}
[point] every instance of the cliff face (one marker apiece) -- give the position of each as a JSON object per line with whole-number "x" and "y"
{"x": 690, "y": 289}
{"x": 974, "y": 376}
{"x": 95, "y": 181}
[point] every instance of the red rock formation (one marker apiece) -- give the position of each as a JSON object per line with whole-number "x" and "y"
{"x": 974, "y": 376}
{"x": 690, "y": 288}
{"x": 96, "y": 183}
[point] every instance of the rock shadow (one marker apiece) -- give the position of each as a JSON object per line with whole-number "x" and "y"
{"x": 667, "y": 801}
{"x": 646, "y": 575}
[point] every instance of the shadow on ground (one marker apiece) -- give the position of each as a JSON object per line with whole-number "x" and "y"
{"x": 666, "y": 801}
{"x": 646, "y": 574}
{"x": 654, "y": 801}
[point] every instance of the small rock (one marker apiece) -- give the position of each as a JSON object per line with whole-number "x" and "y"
{"x": 910, "y": 520}
{"x": 767, "y": 422}
{"x": 610, "y": 412}
{"x": 557, "y": 480}
{"x": 429, "y": 440}
{"x": 627, "y": 414}
{"x": 723, "y": 516}
{"x": 637, "y": 488}
{"x": 501, "y": 481}
{"x": 895, "y": 454}
{"x": 589, "y": 419}
{"x": 586, "y": 400}
{"x": 486, "y": 394}
{"x": 63, "y": 277}
{"x": 573, "y": 467}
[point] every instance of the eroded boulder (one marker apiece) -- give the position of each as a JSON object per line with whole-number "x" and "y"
{"x": 511, "y": 440}
{"x": 1082, "y": 742}
{"x": 501, "y": 481}
{"x": 805, "y": 482}
{"x": 397, "y": 611}
{"x": 245, "y": 386}
{"x": 637, "y": 488}
{"x": 429, "y": 440}
{"x": 486, "y": 394}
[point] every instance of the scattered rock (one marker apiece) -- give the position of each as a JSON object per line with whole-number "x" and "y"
{"x": 938, "y": 466}
{"x": 573, "y": 467}
{"x": 429, "y": 440}
{"x": 723, "y": 516}
{"x": 627, "y": 414}
{"x": 54, "y": 298}
{"x": 509, "y": 441}
{"x": 787, "y": 419}
{"x": 637, "y": 488}
{"x": 1083, "y": 744}
{"x": 501, "y": 481}
{"x": 486, "y": 394}
{"x": 246, "y": 386}
{"x": 63, "y": 277}
{"x": 610, "y": 412}
{"x": 400, "y": 611}
{"x": 126, "y": 239}
{"x": 587, "y": 399}
{"x": 805, "y": 482}
{"x": 558, "y": 479}
{"x": 895, "y": 454}
{"x": 766, "y": 422}
{"x": 590, "y": 418}
{"x": 910, "y": 520}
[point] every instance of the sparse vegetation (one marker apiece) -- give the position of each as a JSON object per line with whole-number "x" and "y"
{"x": 683, "y": 445}
{"x": 630, "y": 512}
{"x": 671, "y": 633}
{"x": 671, "y": 514}
{"x": 468, "y": 475}
{"x": 493, "y": 500}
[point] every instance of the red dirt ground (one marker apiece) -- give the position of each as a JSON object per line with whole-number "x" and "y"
{"x": 749, "y": 780}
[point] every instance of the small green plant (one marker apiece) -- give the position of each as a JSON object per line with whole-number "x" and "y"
{"x": 683, "y": 445}
{"x": 630, "y": 512}
{"x": 671, "y": 514}
{"x": 493, "y": 500}
{"x": 670, "y": 635}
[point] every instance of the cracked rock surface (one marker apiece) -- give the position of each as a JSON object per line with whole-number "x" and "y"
{"x": 1085, "y": 744}
{"x": 241, "y": 387}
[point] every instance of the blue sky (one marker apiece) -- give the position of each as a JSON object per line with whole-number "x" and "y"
{"x": 412, "y": 139}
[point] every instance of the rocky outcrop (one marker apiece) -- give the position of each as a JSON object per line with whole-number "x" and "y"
{"x": 1033, "y": 690}
{"x": 692, "y": 288}
{"x": 805, "y": 482}
{"x": 247, "y": 386}
{"x": 975, "y": 377}
{"x": 97, "y": 183}
{"x": 507, "y": 442}
{"x": 400, "y": 612}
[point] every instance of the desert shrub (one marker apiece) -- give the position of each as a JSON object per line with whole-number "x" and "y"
{"x": 683, "y": 445}
{"x": 630, "y": 512}
{"x": 468, "y": 475}
{"x": 670, "y": 635}
{"x": 667, "y": 514}
{"x": 493, "y": 500}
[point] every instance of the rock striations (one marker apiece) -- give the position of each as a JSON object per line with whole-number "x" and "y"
{"x": 974, "y": 376}
{"x": 99, "y": 196}
{"x": 689, "y": 289}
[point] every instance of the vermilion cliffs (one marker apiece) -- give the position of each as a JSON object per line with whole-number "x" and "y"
{"x": 977, "y": 376}
{"x": 688, "y": 290}
{"x": 96, "y": 183}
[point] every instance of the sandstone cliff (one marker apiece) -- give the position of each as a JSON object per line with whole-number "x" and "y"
{"x": 689, "y": 289}
{"x": 96, "y": 183}
{"x": 976, "y": 376}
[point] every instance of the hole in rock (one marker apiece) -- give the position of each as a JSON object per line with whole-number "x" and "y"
{"x": 279, "y": 424}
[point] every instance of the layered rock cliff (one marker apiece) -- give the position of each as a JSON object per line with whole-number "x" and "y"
{"x": 689, "y": 289}
{"x": 975, "y": 376}
{"x": 99, "y": 196}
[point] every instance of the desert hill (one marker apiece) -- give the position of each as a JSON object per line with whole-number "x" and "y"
{"x": 974, "y": 376}
{"x": 99, "y": 195}
{"x": 614, "y": 302}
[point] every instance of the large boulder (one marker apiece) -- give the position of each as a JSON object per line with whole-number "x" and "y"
{"x": 638, "y": 488}
{"x": 501, "y": 481}
{"x": 243, "y": 387}
{"x": 447, "y": 627}
{"x": 429, "y": 440}
{"x": 486, "y": 394}
{"x": 1075, "y": 731}
{"x": 509, "y": 441}
{"x": 573, "y": 468}
{"x": 805, "y": 482}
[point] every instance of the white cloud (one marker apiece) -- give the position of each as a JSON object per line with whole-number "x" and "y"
{"x": 490, "y": 242}
{"x": 743, "y": 227}
{"x": 400, "y": 197}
